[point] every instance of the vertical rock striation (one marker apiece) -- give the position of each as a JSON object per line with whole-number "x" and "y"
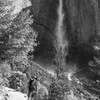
{"x": 81, "y": 22}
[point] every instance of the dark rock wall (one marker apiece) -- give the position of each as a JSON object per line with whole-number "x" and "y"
{"x": 82, "y": 26}
{"x": 44, "y": 24}
{"x": 81, "y": 22}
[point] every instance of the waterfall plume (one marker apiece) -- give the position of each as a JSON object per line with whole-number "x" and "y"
{"x": 60, "y": 31}
{"x": 61, "y": 44}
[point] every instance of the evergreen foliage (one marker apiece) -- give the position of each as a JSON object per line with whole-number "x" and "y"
{"x": 17, "y": 39}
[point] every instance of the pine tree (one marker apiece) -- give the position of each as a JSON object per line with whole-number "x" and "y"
{"x": 17, "y": 37}
{"x": 5, "y": 22}
{"x": 22, "y": 39}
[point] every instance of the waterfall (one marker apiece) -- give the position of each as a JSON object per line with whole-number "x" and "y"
{"x": 61, "y": 44}
{"x": 60, "y": 31}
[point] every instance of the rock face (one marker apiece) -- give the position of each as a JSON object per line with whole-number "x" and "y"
{"x": 81, "y": 22}
{"x": 45, "y": 19}
{"x": 81, "y": 19}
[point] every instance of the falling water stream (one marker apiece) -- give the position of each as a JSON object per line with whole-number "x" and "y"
{"x": 59, "y": 27}
{"x": 60, "y": 31}
{"x": 61, "y": 42}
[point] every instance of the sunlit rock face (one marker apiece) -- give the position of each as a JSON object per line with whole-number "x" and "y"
{"x": 18, "y": 5}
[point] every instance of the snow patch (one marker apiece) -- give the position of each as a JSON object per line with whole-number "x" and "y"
{"x": 11, "y": 94}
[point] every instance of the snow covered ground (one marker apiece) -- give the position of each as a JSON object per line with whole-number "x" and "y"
{"x": 10, "y": 94}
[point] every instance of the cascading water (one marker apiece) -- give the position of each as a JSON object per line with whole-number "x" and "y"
{"x": 60, "y": 32}
{"x": 59, "y": 28}
{"x": 61, "y": 44}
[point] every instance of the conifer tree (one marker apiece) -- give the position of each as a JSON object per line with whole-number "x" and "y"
{"x": 22, "y": 39}
{"x": 17, "y": 37}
